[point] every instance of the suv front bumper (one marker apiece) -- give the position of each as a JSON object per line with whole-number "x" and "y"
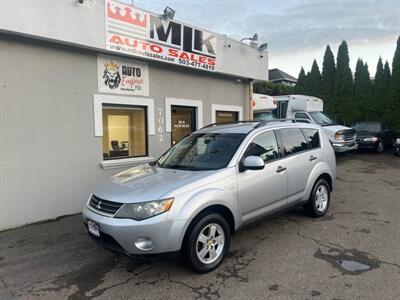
{"x": 340, "y": 147}
{"x": 396, "y": 149}
{"x": 121, "y": 235}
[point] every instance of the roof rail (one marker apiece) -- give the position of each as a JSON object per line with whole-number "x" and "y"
{"x": 260, "y": 123}
{"x": 266, "y": 122}
{"x": 227, "y": 123}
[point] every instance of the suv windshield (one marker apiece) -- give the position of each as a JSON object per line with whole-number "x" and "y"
{"x": 322, "y": 119}
{"x": 263, "y": 116}
{"x": 202, "y": 151}
{"x": 370, "y": 127}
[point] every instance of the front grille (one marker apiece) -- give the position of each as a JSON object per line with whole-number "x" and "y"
{"x": 349, "y": 135}
{"x": 104, "y": 205}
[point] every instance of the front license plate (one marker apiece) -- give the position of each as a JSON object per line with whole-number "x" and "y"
{"x": 93, "y": 228}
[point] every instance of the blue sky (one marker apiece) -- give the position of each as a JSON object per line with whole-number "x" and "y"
{"x": 297, "y": 31}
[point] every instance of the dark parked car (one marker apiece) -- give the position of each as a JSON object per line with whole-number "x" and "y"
{"x": 373, "y": 135}
{"x": 396, "y": 145}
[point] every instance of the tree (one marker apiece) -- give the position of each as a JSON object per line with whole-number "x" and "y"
{"x": 392, "y": 113}
{"x": 272, "y": 89}
{"x": 301, "y": 82}
{"x": 387, "y": 75}
{"x": 307, "y": 88}
{"x": 343, "y": 90}
{"x": 328, "y": 80}
{"x": 380, "y": 90}
{"x": 314, "y": 81}
{"x": 362, "y": 102}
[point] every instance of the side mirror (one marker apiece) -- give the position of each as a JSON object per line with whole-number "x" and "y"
{"x": 253, "y": 163}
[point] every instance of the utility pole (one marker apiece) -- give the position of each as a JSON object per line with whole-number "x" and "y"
{"x": 251, "y": 100}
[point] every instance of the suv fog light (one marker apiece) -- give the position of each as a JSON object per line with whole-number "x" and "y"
{"x": 144, "y": 243}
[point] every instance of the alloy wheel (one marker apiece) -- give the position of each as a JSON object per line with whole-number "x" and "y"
{"x": 210, "y": 243}
{"x": 321, "y": 198}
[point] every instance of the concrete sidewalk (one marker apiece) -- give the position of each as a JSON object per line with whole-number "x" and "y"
{"x": 353, "y": 252}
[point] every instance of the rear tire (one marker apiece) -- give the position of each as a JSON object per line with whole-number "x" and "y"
{"x": 206, "y": 243}
{"x": 320, "y": 198}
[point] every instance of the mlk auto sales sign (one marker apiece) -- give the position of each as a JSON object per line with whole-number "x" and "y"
{"x": 122, "y": 76}
{"x": 139, "y": 33}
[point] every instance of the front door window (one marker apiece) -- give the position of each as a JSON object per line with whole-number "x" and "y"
{"x": 183, "y": 122}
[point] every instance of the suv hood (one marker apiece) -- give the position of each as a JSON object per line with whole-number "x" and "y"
{"x": 331, "y": 130}
{"x": 146, "y": 183}
{"x": 367, "y": 133}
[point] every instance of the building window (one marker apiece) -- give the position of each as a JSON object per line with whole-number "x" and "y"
{"x": 226, "y": 113}
{"x": 226, "y": 116}
{"x": 183, "y": 121}
{"x": 124, "y": 131}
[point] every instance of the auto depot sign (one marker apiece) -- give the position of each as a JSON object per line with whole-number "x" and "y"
{"x": 132, "y": 31}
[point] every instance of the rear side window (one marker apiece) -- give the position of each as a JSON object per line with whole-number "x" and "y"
{"x": 313, "y": 137}
{"x": 265, "y": 146}
{"x": 293, "y": 140}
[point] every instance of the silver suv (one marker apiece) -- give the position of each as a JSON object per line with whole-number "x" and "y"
{"x": 197, "y": 194}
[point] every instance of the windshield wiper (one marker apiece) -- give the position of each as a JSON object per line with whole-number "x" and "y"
{"x": 188, "y": 168}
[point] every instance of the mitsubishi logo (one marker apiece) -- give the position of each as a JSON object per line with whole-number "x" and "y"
{"x": 98, "y": 206}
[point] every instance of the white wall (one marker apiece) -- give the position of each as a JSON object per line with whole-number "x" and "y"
{"x": 49, "y": 154}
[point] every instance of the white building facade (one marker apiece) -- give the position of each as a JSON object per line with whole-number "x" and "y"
{"x": 88, "y": 90}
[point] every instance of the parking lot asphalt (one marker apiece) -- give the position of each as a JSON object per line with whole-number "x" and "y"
{"x": 352, "y": 252}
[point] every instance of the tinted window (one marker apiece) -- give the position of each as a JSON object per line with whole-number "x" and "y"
{"x": 293, "y": 140}
{"x": 368, "y": 126}
{"x": 203, "y": 151}
{"x": 265, "y": 146}
{"x": 301, "y": 116}
{"x": 313, "y": 137}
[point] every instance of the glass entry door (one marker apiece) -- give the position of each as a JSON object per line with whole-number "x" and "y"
{"x": 183, "y": 122}
{"x": 226, "y": 116}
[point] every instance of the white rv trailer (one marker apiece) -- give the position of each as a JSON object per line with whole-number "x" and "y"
{"x": 310, "y": 109}
{"x": 263, "y": 107}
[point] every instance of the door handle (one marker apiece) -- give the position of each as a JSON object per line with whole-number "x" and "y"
{"x": 280, "y": 169}
{"x": 312, "y": 157}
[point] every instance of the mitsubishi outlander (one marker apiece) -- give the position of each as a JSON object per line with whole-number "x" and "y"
{"x": 196, "y": 195}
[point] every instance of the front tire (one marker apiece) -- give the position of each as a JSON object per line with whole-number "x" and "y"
{"x": 207, "y": 243}
{"x": 320, "y": 198}
{"x": 380, "y": 147}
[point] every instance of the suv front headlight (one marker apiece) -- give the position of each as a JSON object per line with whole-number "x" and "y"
{"x": 398, "y": 141}
{"x": 144, "y": 210}
{"x": 371, "y": 139}
{"x": 339, "y": 137}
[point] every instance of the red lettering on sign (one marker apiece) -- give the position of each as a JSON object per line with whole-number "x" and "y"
{"x": 173, "y": 52}
{"x": 156, "y": 48}
{"x": 184, "y": 55}
{"x": 202, "y": 59}
{"x": 116, "y": 39}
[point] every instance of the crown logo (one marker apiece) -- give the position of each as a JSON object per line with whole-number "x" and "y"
{"x": 115, "y": 13}
{"x": 110, "y": 66}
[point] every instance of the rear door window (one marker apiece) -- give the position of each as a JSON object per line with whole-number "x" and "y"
{"x": 293, "y": 141}
{"x": 313, "y": 137}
